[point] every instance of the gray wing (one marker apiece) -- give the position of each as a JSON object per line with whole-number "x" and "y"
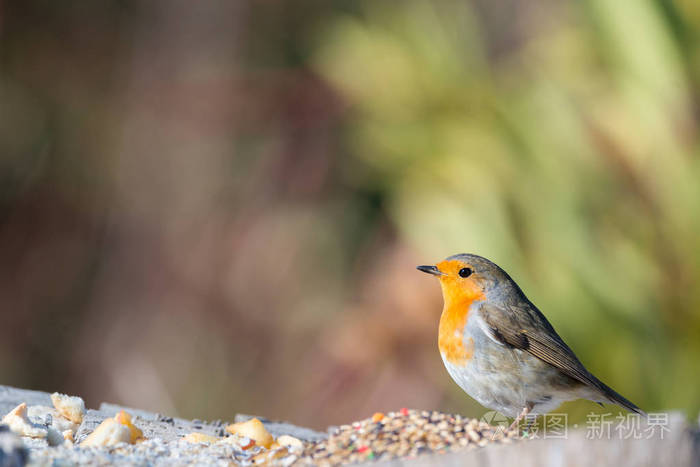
{"x": 524, "y": 327}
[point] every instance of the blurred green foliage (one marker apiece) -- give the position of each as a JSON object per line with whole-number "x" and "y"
{"x": 571, "y": 159}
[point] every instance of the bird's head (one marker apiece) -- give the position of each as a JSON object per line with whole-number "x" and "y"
{"x": 466, "y": 277}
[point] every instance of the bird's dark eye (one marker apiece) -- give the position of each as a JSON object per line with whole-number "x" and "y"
{"x": 465, "y": 272}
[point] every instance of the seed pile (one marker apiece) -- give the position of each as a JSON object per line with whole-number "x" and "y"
{"x": 406, "y": 433}
{"x": 117, "y": 440}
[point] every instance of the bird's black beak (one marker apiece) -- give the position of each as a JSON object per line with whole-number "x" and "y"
{"x": 431, "y": 270}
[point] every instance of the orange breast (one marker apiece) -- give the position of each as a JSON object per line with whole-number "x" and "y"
{"x": 458, "y": 294}
{"x": 451, "y": 336}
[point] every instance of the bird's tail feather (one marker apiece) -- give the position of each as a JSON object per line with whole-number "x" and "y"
{"x": 612, "y": 396}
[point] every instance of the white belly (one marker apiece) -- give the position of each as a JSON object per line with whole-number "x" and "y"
{"x": 502, "y": 378}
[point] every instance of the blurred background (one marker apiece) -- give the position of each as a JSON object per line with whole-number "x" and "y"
{"x": 209, "y": 208}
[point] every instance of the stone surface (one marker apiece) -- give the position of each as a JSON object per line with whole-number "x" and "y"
{"x": 12, "y": 450}
{"x": 677, "y": 445}
{"x": 11, "y": 397}
{"x": 152, "y": 424}
{"x": 162, "y": 431}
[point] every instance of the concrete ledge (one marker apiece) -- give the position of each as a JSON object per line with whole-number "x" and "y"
{"x": 677, "y": 444}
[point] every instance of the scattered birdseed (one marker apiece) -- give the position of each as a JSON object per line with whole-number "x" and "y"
{"x": 402, "y": 434}
{"x": 407, "y": 433}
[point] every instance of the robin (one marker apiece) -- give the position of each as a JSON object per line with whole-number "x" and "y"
{"x": 501, "y": 350}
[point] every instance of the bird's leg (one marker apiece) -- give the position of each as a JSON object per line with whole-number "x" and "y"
{"x": 522, "y": 415}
